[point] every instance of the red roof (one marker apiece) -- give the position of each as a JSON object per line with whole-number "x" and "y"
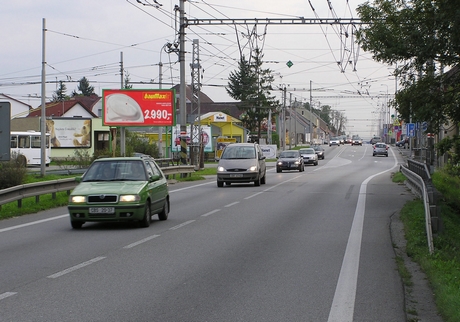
{"x": 59, "y": 108}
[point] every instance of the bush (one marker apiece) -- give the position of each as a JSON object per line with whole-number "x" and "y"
{"x": 11, "y": 173}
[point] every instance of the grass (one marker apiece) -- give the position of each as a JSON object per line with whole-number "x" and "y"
{"x": 443, "y": 267}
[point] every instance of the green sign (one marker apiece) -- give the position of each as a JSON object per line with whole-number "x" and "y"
{"x": 289, "y": 64}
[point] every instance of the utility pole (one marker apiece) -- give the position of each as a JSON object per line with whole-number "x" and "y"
{"x": 43, "y": 111}
{"x": 183, "y": 93}
{"x": 311, "y": 101}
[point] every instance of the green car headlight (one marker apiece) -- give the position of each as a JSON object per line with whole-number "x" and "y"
{"x": 130, "y": 198}
{"x": 77, "y": 199}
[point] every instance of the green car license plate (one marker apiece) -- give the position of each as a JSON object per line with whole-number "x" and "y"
{"x": 101, "y": 210}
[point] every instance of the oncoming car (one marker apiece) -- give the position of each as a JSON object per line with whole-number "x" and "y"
{"x": 241, "y": 163}
{"x": 290, "y": 160}
{"x": 334, "y": 141}
{"x": 319, "y": 151}
{"x": 123, "y": 189}
{"x": 309, "y": 156}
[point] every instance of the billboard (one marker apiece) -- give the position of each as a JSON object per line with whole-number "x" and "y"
{"x": 138, "y": 107}
{"x": 72, "y": 132}
{"x": 176, "y": 137}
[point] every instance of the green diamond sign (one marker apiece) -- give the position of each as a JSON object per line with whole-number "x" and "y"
{"x": 289, "y": 64}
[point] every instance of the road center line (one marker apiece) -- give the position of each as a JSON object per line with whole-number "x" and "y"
{"x": 210, "y": 213}
{"x": 181, "y": 225}
{"x": 141, "y": 241}
{"x": 7, "y": 294}
{"x": 232, "y": 204}
{"x": 74, "y": 268}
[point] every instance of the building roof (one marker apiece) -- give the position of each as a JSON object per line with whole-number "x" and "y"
{"x": 57, "y": 109}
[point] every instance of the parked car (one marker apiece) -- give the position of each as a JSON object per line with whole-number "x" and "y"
{"x": 334, "y": 141}
{"x": 122, "y": 189}
{"x": 309, "y": 156}
{"x": 241, "y": 163}
{"x": 319, "y": 151}
{"x": 402, "y": 143}
{"x": 380, "y": 149}
{"x": 290, "y": 160}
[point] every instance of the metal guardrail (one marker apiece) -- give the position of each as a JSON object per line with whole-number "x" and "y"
{"x": 37, "y": 189}
{"x": 417, "y": 185}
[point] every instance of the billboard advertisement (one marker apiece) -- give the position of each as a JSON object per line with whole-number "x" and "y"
{"x": 205, "y": 135}
{"x": 69, "y": 132}
{"x": 138, "y": 107}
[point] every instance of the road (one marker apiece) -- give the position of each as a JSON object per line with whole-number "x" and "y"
{"x": 306, "y": 246}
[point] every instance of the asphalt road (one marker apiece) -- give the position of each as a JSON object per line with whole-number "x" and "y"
{"x": 306, "y": 246}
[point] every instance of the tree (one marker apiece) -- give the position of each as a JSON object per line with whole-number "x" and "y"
{"x": 84, "y": 87}
{"x": 421, "y": 38}
{"x": 60, "y": 94}
{"x": 127, "y": 85}
{"x": 252, "y": 86}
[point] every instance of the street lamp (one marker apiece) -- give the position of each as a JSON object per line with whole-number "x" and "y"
{"x": 387, "y": 118}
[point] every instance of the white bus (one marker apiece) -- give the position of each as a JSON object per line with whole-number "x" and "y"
{"x": 26, "y": 147}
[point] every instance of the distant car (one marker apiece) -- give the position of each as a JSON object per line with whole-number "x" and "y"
{"x": 356, "y": 141}
{"x": 123, "y": 189}
{"x": 309, "y": 156}
{"x": 402, "y": 143}
{"x": 380, "y": 149}
{"x": 241, "y": 163}
{"x": 290, "y": 160}
{"x": 334, "y": 141}
{"x": 375, "y": 140}
{"x": 319, "y": 151}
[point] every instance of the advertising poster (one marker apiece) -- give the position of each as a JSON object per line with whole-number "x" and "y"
{"x": 205, "y": 133}
{"x": 221, "y": 143}
{"x": 133, "y": 107}
{"x": 69, "y": 132}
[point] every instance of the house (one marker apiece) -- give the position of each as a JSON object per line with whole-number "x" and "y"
{"x": 18, "y": 108}
{"x": 72, "y": 124}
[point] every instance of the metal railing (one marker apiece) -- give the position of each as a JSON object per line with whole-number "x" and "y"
{"x": 37, "y": 189}
{"x": 418, "y": 186}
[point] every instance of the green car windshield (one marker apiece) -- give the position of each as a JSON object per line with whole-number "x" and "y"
{"x": 132, "y": 170}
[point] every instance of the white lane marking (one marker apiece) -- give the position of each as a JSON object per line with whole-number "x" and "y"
{"x": 7, "y": 294}
{"x": 210, "y": 213}
{"x": 32, "y": 223}
{"x": 232, "y": 204}
{"x": 141, "y": 241}
{"x": 74, "y": 268}
{"x": 343, "y": 304}
{"x": 191, "y": 187}
{"x": 181, "y": 225}
{"x": 252, "y": 196}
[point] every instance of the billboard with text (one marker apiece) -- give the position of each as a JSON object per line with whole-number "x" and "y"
{"x": 139, "y": 107}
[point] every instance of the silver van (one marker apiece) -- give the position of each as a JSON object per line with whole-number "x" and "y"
{"x": 241, "y": 163}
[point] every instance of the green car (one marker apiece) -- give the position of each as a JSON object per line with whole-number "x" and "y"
{"x": 120, "y": 189}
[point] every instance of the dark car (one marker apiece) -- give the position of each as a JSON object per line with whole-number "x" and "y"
{"x": 319, "y": 151}
{"x": 380, "y": 149}
{"x": 290, "y": 160}
{"x": 120, "y": 189}
{"x": 402, "y": 143}
{"x": 241, "y": 163}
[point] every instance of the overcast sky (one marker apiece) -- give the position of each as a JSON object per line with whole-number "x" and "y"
{"x": 86, "y": 38}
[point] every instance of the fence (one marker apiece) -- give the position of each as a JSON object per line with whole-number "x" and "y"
{"x": 419, "y": 180}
